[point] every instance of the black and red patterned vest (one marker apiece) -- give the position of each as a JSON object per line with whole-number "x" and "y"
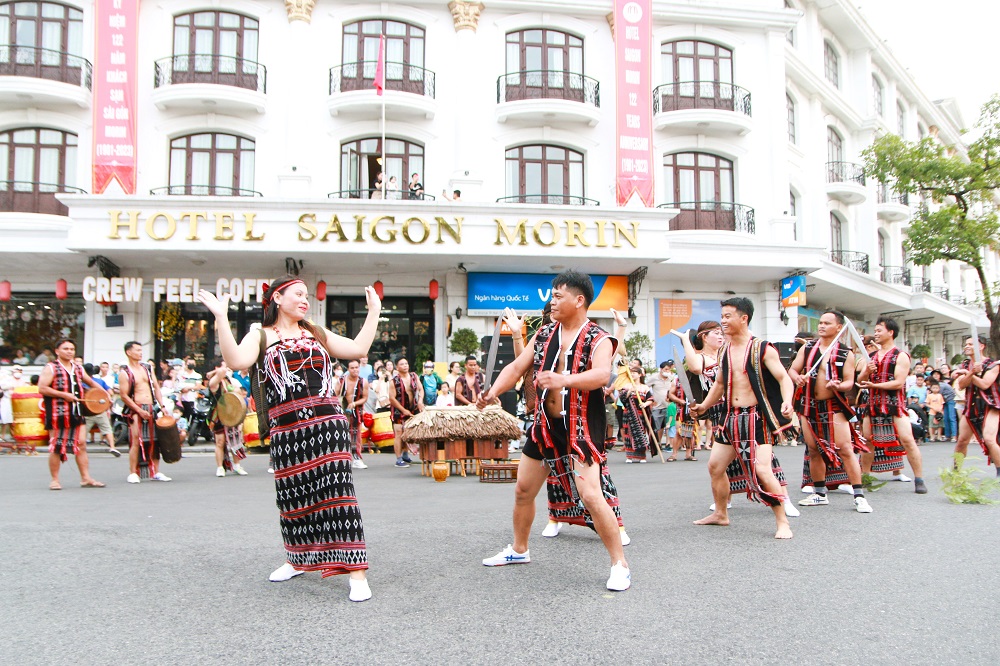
{"x": 836, "y": 361}
{"x": 584, "y": 415}
{"x": 131, "y": 381}
{"x": 359, "y": 389}
{"x": 990, "y": 396}
{"x": 462, "y": 387}
{"x": 59, "y": 413}
{"x": 407, "y": 399}
{"x": 886, "y": 402}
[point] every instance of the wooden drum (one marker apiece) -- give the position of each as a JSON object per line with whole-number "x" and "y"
{"x": 382, "y": 428}
{"x": 95, "y": 401}
{"x": 168, "y": 439}
{"x": 251, "y": 431}
{"x": 28, "y": 426}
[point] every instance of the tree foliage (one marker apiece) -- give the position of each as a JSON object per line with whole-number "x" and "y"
{"x": 638, "y": 345}
{"x": 464, "y": 341}
{"x": 963, "y": 183}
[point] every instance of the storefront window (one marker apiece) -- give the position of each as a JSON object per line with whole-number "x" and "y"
{"x": 405, "y": 330}
{"x": 31, "y": 324}
{"x": 195, "y": 335}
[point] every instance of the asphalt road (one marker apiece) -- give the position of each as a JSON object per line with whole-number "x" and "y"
{"x": 177, "y": 573}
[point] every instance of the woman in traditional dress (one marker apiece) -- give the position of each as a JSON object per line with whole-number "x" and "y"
{"x": 310, "y": 443}
{"x": 229, "y": 446}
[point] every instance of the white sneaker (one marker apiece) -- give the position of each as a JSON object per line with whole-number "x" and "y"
{"x": 901, "y": 477}
{"x": 626, "y": 539}
{"x": 239, "y": 470}
{"x": 861, "y": 505}
{"x": 629, "y": 461}
{"x": 790, "y": 509}
{"x": 643, "y": 461}
{"x": 711, "y": 507}
{"x": 357, "y": 464}
{"x": 552, "y": 529}
{"x": 808, "y": 490}
{"x": 620, "y": 578}
{"x": 846, "y": 490}
{"x": 508, "y": 556}
{"x": 814, "y": 500}
{"x": 270, "y": 470}
{"x": 285, "y": 572}
{"x": 132, "y": 478}
{"x": 360, "y": 590}
{"x": 220, "y": 471}
{"x": 160, "y": 476}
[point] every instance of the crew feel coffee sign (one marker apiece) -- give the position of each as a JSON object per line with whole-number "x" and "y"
{"x": 633, "y": 34}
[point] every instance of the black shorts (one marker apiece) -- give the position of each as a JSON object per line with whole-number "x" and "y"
{"x": 743, "y": 424}
{"x": 557, "y": 431}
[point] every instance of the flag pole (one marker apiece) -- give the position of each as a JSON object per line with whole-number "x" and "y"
{"x": 382, "y": 164}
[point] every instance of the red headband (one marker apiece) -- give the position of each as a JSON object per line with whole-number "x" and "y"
{"x": 265, "y": 300}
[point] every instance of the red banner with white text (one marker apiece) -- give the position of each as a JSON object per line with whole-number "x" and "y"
{"x": 115, "y": 83}
{"x": 634, "y": 136}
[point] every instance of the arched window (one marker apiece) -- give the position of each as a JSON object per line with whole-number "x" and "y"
{"x": 878, "y": 96}
{"x": 699, "y": 76}
{"x": 212, "y": 164}
{"x": 35, "y": 163}
{"x": 790, "y": 109}
{"x": 901, "y": 119}
{"x": 44, "y": 40}
{"x": 836, "y": 238}
{"x": 359, "y": 167}
{"x": 404, "y": 55}
{"x": 544, "y": 64}
{"x": 834, "y": 146}
{"x": 216, "y": 47}
{"x": 883, "y": 249}
{"x": 701, "y": 185}
{"x": 793, "y": 211}
{"x": 831, "y": 64}
{"x": 545, "y": 174}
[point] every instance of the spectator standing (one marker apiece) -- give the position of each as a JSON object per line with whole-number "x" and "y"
{"x": 416, "y": 188}
{"x": 918, "y": 390}
{"x": 454, "y": 372}
{"x": 935, "y": 411}
{"x": 432, "y": 383}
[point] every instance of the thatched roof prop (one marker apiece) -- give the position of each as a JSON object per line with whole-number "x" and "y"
{"x": 465, "y": 422}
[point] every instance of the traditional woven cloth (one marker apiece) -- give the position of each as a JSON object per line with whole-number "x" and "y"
{"x": 311, "y": 451}
{"x": 63, "y": 418}
{"x": 149, "y": 453}
{"x": 978, "y": 402}
{"x": 564, "y": 501}
{"x": 744, "y": 431}
{"x": 354, "y": 415}
{"x": 635, "y": 437}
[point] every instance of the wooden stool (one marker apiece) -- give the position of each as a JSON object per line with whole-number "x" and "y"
{"x": 498, "y": 473}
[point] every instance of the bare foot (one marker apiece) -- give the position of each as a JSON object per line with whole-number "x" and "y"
{"x": 55, "y": 486}
{"x": 715, "y": 519}
{"x": 784, "y": 532}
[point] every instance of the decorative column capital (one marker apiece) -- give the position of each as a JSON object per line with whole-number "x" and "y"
{"x": 300, "y": 10}
{"x": 611, "y": 22}
{"x": 466, "y": 14}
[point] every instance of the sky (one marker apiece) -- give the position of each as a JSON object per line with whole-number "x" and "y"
{"x": 948, "y": 46}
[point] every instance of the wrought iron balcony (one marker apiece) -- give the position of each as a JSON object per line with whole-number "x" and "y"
{"x": 712, "y": 216}
{"x": 398, "y": 76}
{"x": 17, "y": 60}
{"x": 941, "y": 291}
{"x": 856, "y": 261}
{"x": 887, "y": 196}
{"x": 716, "y": 95}
{"x": 210, "y": 68}
{"x": 845, "y": 172}
{"x": 22, "y": 196}
{"x": 557, "y": 199}
{"x": 204, "y": 191}
{"x": 896, "y": 275}
{"x": 921, "y": 285}
{"x": 548, "y": 84}
{"x": 375, "y": 193}
{"x": 958, "y": 299}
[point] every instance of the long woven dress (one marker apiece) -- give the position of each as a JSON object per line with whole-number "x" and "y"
{"x": 311, "y": 451}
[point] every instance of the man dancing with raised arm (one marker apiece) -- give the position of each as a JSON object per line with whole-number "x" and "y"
{"x": 571, "y": 358}
{"x": 982, "y": 402}
{"x": 885, "y": 379}
{"x": 758, "y": 397}
{"x": 823, "y": 371}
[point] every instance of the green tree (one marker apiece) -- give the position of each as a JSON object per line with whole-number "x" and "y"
{"x": 638, "y": 345}
{"x": 964, "y": 184}
{"x": 464, "y": 341}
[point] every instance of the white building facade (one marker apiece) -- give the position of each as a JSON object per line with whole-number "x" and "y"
{"x": 258, "y": 139}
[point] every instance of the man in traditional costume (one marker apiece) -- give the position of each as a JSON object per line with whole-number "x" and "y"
{"x": 758, "y": 406}
{"x": 823, "y": 371}
{"x": 406, "y": 395}
{"x": 138, "y": 386}
{"x": 469, "y": 386}
{"x": 354, "y": 394}
{"x": 61, "y": 385}
{"x": 571, "y": 358}
{"x": 885, "y": 379}
{"x": 982, "y": 402}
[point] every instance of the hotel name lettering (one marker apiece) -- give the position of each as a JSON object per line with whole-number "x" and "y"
{"x": 380, "y": 229}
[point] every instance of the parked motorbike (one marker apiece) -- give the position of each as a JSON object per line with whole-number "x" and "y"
{"x": 199, "y": 425}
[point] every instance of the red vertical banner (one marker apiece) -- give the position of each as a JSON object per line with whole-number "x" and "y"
{"x": 115, "y": 84}
{"x": 634, "y": 137}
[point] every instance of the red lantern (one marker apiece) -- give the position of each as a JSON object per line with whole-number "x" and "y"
{"x": 379, "y": 289}
{"x": 5, "y": 290}
{"x": 321, "y": 290}
{"x": 434, "y": 290}
{"x": 61, "y": 289}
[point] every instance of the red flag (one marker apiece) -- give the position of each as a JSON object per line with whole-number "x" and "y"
{"x": 380, "y": 67}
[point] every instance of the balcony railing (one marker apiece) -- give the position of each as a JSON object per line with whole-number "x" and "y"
{"x": 712, "y": 216}
{"x": 856, "y": 261}
{"x": 896, "y": 275}
{"x": 208, "y": 68}
{"x": 16, "y": 60}
{"x": 716, "y": 95}
{"x": 22, "y": 196}
{"x": 548, "y": 84}
{"x": 920, "y": 285}
{"x": 887, "y": 196}
{"x": 375, "y": 193}
{"x": 556, "y": 199}
{"x": 845, "y": 172}
{"x": 959, "y": 299}
{"x": 398, "y": 76}
{"x": 941, "y": 292}
{"x": 204, "y": 191}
